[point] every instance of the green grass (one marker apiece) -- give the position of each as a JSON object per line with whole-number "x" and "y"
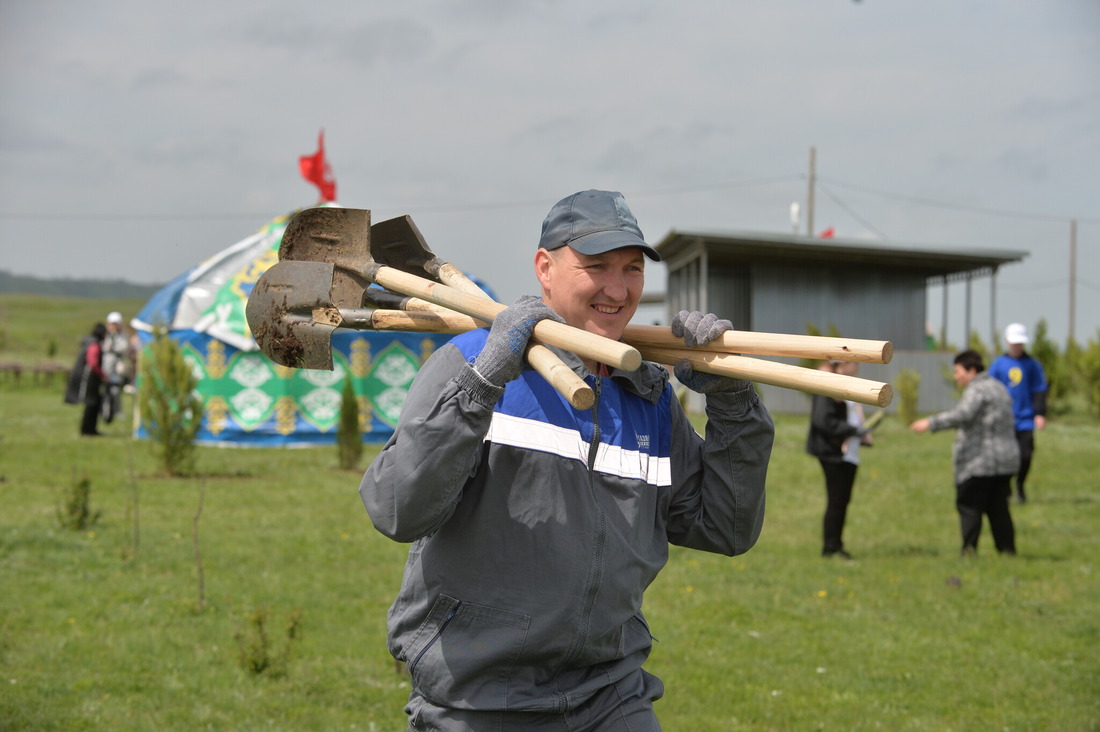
{"x": 907, "y": 637}
{"x": 36, "y": 328}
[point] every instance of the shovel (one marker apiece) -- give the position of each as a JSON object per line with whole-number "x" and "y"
{"x": 292, "y": 313}
{"x": 398, "y": 243}
{"x": 292, "y": 316}
{"x": 280, "y": 314}
{"x": 342, "y": 236}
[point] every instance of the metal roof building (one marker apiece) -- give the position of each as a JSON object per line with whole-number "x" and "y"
{"x": 779, "y": 283}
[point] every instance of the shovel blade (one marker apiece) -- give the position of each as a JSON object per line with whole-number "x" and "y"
{"x": 280, "y": 314}
{"x": 329, "y": 234}
{"x": 340, "y": 236}
{"x": 398, "y": 243}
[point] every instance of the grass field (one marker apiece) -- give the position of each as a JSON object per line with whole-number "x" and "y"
{"x": 96, "y": 636}
{"x": 36, "y": 329}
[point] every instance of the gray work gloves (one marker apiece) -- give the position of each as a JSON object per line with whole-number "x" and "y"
{"x": 698, "y": 329}
{"x": 501, "y": 360}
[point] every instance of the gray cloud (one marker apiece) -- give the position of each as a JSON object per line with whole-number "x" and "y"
{"x": 469, "y": 113}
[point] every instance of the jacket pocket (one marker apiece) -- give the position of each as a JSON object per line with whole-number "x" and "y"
{"x": 463, "y": 654}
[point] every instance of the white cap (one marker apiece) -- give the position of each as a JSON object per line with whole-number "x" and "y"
{"x": 114, "y": 317}
{"x": 1016, "y": 333}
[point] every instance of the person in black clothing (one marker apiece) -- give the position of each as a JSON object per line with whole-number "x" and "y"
{"x": 829, "y": 429}
{"x": 86, "y": 379}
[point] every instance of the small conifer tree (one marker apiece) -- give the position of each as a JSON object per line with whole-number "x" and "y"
{"x": 908, "y": 384}
{"x": 349, "y": 437}
{"x": 76, "y": 511}
{"x": 171, "y": 409}
{"x": 1089, "y": 373}
{"x": 1059, "y": 381}
{"x": 977, "y": 344}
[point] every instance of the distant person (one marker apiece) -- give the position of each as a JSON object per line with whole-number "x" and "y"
{"x": 118, "y": 365}
{"x": 836, "y": 433}
{"x": 986, "y": 454}
{"x": 1027, "y": 383}
{"x": 86, "y": 379}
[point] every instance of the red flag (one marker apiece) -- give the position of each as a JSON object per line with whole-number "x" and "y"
{"x": 317, "y": 171}
{"x": 827, "y": 234}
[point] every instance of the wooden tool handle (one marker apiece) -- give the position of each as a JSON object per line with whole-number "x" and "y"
{"x": 775, "y": 373}
{"x": 751, "y": 369}
{"x": 542, "y": 359}
{"x": 411, "y": 321}
{"x": 452, "y": 276}
{"x": 770, "y": 344}
{"x": 564, "y": 380}
{"x": 587, "y": 345}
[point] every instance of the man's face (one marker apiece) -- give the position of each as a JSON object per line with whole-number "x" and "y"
{"x": 1015, "y": 349}
{"x": 595, "y": 293}
{"x": 962, "y": 376}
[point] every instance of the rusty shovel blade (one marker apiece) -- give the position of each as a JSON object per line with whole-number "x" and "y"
{"x": 340, "y": 236}
{"x": 280, "y": 313}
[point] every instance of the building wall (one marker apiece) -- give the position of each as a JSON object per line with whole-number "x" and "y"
{"x": 886, "y": 305}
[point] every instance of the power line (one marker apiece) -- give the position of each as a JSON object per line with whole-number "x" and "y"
{"x": 644, "y": 193}
{"x": 134, "y": 217}
{"x": 426, "y": 208}
{"x": 836, "y": 199}
{"x": 987, "y": 210}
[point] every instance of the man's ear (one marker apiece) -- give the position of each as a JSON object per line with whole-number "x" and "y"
{"x": 544, "y": 265}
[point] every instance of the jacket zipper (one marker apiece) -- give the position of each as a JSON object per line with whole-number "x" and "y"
{"x": 435, "y": 637}
{"x": 601, "y": 537}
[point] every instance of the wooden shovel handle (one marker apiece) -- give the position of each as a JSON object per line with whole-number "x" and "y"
{"x": 542, "y": 359}
{"x": 452, "y": 276}
{"x": 587, "y": 345}
{"x": 770, "y": 344}
{"x": 450, "y": 323}
{"x": 783, "y": 375}
{"x": 838, "y": 386}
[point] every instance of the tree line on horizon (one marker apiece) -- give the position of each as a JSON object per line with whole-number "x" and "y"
{"x": 13, "y": 284}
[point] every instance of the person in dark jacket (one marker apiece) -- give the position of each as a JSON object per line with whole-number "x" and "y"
{"x": 536, "y": 527}
{"x": 832, "y": 434}
{"x": 86, "y": 379}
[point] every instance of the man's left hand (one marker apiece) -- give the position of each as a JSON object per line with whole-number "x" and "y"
{"x": 698, "y": 329}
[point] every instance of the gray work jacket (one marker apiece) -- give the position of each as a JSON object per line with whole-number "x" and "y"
{"x": 536, "y": 528}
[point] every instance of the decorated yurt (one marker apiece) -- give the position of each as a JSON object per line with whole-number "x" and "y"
{"x": 249, "y": 400}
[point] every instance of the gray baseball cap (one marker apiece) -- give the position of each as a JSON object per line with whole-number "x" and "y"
{"x": 593, "y": 222}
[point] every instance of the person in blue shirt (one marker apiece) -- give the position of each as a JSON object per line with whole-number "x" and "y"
{"x": 1027, "y": 383}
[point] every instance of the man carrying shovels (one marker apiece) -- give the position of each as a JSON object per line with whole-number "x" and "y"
{"x": 537, "y": 527}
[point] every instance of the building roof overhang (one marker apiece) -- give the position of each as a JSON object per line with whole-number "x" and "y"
{"x": 742, "y": 247}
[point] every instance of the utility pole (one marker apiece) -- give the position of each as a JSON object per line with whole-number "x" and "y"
{"x": 1072, "y": 280}
{"x": 810, "y": 193}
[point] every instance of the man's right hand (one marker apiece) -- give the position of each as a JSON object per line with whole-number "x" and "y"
{"x": 501, "y": 360}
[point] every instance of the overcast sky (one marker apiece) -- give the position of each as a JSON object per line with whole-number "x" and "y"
{"x": 138, "y": 138}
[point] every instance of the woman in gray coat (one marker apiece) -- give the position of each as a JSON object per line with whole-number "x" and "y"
{"x": 985, "y": 452}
